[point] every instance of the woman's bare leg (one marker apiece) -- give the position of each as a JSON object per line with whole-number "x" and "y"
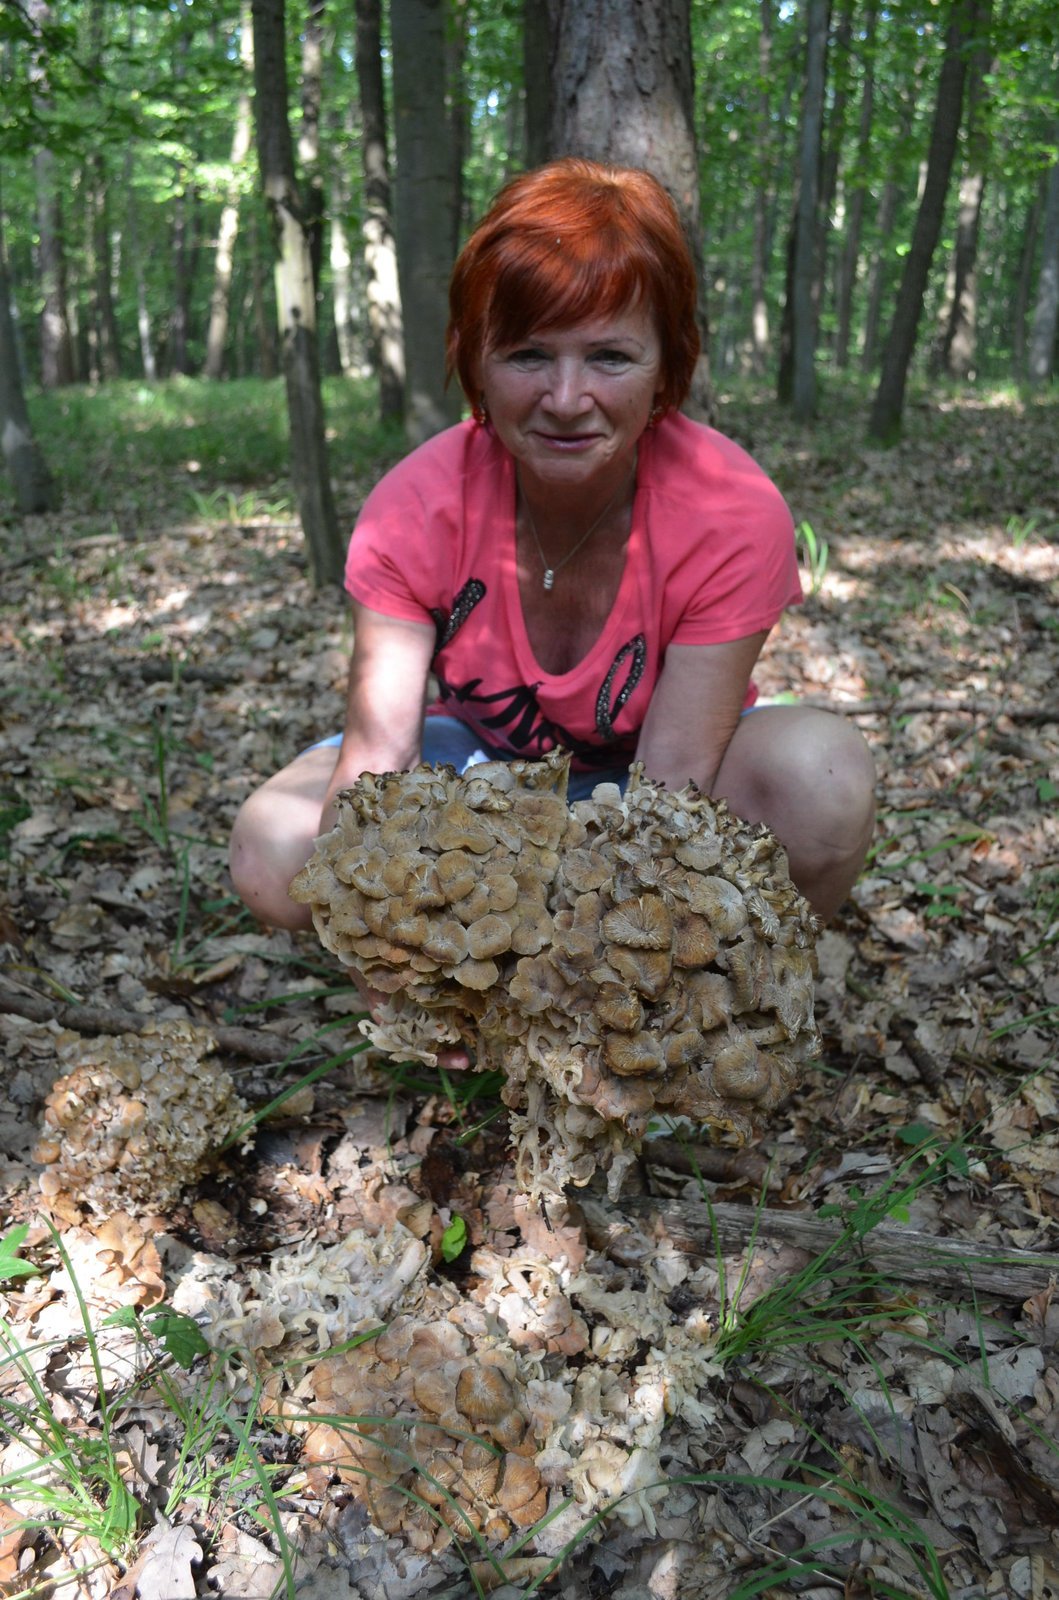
{"x": 810, "y": 776}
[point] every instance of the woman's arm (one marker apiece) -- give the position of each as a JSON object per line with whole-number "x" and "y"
{"x": 695, "y": 709}
{"x": 384, "y": 706}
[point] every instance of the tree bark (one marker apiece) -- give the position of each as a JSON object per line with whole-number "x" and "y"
{"x": 806, "y": 228}
{"x": 954, "y": 353}
{"x": 1040, "y": 362}
{"x": 228, "y": 228}
{"x": 623, "y": 91}
{"x": 1027, "y": 256}
{"x": 885, "y": 422}
{"x": 902, "y": 1254}
{"x": 295, "y": 296}
{"x": 537, "y": 34}
{"x": 380, "y": 254}
{"x": 309, "y": 134}
{"x": 34, "y": 489}
{"x": 857, "y": 189}
{"x": 839, "y": 69}
{"x": 759, "y": 313}
{"x": 56, "y": 350}
{"x": 426, "y": 207}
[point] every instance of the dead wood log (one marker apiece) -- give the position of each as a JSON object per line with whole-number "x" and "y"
{"x": 901, "y": 1255}
{"x": 248, "y": 1043}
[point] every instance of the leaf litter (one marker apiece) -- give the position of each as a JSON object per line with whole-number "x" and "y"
{"x": 149, "y": 683}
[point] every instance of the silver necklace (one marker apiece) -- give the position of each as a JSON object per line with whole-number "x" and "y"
{"x": 549, "y": 572}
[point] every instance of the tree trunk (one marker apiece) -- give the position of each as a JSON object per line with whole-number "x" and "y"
{"x": 537, "y": 33}
{"x": 857, "y": 189}
{"x": 803, "y": 275}
{"x": 295, "y": 296}
{"x": 56, "y": 351}
{"x": 228, "y": 229}
{"x": 34, "y": 489}
{"x": 456, "y": 25}
{"x": 839, "y": 55}
{"x": 309, "y": 134}
{"x": 759, "y": 314}
{"x": 954, "y": 353}
{"x": 884, "y": 223}
{"x": 380, "y": 255}
{"x": 1027, "y": 256}
{"x": 345, "y": 296}
{"x": 885, "y": 421}
{"x": 426, "y": 205}
{"x": 623, "y": 92}
{"x": 1040, "y": 364}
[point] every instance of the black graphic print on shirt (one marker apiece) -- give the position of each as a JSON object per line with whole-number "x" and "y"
{"x": 515, "y": 713}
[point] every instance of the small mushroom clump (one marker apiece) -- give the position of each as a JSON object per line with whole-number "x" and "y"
{"x": 625, "y": 957}
{"x": 134, "y": 1120}
{"x": 436, "y": 1422}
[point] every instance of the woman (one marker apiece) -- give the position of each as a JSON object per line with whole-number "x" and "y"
{"x": 578, "y": 564}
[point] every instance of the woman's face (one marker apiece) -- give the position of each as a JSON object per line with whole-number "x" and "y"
{"x": 571, "y": 403}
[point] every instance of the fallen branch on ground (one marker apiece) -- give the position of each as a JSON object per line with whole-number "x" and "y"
{"x": 902, "y": 1254}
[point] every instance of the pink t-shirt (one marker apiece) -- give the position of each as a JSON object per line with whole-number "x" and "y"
{"x": 710, "y": 558}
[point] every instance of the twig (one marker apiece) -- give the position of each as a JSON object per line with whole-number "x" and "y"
{"x": 245, "y": 1042}
{"x": 903, "y": 1254}
{"x": 904, "y": 1029}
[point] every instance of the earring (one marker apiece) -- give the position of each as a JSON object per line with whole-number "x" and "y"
{"x": 479, "y": 413}
{"x": 656, "y": 415}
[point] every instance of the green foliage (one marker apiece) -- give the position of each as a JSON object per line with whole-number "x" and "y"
{"x": 815, "y": 553}
{"x": 454, "y": 1239}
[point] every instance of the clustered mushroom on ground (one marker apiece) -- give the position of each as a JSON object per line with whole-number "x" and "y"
{"x": 134, "y": 1120}
{"x": 621, "y": 958}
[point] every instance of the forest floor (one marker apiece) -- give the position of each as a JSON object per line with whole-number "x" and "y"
{"x": 883, "y": 1431}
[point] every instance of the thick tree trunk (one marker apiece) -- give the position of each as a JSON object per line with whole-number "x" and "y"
{"x": 623, "y": 91}
{"x": 295, "y": 296}
{"x": 806, "y": 228}
{"x": 857, "y": 189}
{"x": 380, "y": 254}
{"x": 34, "y": 489}
{"x": 1040, "y": 363}
{"x": 426, "y": 206}
{"x": 885, "y": 421}
{"x": 954, "y": 353}
{"x": 537, "y": 33}
{"x": 228, "y": 229}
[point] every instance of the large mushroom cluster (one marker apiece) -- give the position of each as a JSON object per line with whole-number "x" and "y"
{"x": 134, "y": 1119}
{"x": 624, "y": 957}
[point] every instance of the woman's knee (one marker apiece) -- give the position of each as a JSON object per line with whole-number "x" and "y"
{"x": 804, "y": 772}
{"x": 263, "y": 856}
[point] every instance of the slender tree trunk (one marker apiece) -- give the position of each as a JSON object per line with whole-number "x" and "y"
{"x": 623, "y": 92}
{"x": 759, "y": 313}
{"x": 954, "y": 353}
{"x": 456, "y": 26}
{"x": 228, "y": 229}
{"x": 264, "y": 325}
{"x": 295, "y": 296}
{"x": 884, "y": 226}
{"x": 340, "y": 254}
{"x": 380, "y": 254}
{"x": 885, "y": 422}
{"x": 309, "y": 133}
{"x": 1027, "y": 257}
{"x": 857, "y": 190}
{"x": 1040, "y": 364}
{"x": 839, "y": 57}
{"x": 56, "y": 354}
{"x": 803, "y": 274}
{"x": 426, "y": 206}
{"x": 34, "y": 489}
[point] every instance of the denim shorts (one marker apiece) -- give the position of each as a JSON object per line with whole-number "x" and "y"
{"x": 448, "y": 741}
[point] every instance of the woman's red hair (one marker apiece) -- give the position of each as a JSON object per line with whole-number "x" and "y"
{"x": 566, "y": 242}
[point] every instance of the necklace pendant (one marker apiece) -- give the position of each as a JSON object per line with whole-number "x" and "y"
{"x": 548, "y": 579}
